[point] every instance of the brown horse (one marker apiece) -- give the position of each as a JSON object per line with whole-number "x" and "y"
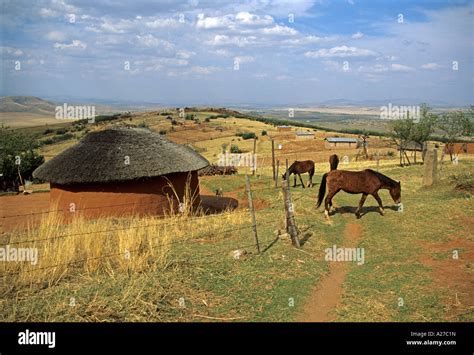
{"x": 366, "y": 182}
{"x": 300, "y": 167}
{"x": 333, "y": 161}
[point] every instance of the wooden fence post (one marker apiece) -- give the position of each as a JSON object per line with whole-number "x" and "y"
{"x": 277, "y": 174}
{"x": 273, "y": 159}
{"x": 254, "y": 156}
{"x": 290, "y": 218}
{"x": 431, "y": 167}
{"x": 252, "y": 212}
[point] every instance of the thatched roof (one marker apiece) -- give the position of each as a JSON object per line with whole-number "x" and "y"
{"x": 101, "y": 156}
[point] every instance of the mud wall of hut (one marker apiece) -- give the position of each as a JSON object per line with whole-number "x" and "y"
{"x": 141, "y": 197}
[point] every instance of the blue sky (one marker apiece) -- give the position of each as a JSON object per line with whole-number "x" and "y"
{"x": 290, "y": 52}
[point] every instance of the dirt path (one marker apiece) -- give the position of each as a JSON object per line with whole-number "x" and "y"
{"x": 327, "y": 294}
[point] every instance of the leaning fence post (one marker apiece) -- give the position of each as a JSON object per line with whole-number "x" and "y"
{"x": 252, "y": 212}
{"x": 254, "y": 167}
{"x": 273, "y": 159}
{"x": 277, "y": 168}
{"x": 290, "y": 218}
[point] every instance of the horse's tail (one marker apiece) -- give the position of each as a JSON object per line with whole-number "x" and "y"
{"x": 322, "y": 190}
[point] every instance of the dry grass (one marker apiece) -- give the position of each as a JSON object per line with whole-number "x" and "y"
{"x": 110, "y": 245}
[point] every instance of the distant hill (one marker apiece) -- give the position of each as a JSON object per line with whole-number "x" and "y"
{"x": 27, "y": 104}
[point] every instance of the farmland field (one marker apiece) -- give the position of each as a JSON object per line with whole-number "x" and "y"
{"x": 417, "y": 267}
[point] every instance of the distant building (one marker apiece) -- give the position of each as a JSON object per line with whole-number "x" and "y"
{"x": 341, "y": 142}
{"x": 411, "y": 146}
{"x": 304, "y": 134}
{"x": 457, "y": 148}
{"x": 283, "y": 128}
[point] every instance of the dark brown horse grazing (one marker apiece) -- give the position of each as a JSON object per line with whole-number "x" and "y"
{"x": 334, "y": 161}
{"x": 366, "y": 182}
{"x": 300, "y": 167}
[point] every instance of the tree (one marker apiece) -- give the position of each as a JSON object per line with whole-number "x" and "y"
{"x": 402, "y": 133}
{"x": 455, "y": 125}
{"x": 18, "y": 158}
{"x": 424, "y": 128}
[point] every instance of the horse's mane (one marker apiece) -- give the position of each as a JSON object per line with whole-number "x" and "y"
{"x": 384, "y": 178}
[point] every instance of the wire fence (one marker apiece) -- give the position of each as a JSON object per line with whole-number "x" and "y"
{"x": 130, "y": 252}
{"x": 183, "y": 221}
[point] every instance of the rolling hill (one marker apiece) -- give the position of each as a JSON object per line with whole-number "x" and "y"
{"x": 27, "y": 104}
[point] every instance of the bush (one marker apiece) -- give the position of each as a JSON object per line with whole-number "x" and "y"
{"x": 234, "y": 148}
{"x": 48, "y": 131}
{"x": 174, "y": 122}
{"x": 163, "y": 131}
{"x": 105, "y": 118}
{"x": 56, "y": 139}
{"x": 264, "y": 133}
{"x": 19, "y": 148}
{"x": 463, "y": 182}
{"x": 249, "y": 135}
{"x": 143, "y": 124}
{"x": 207, "y": 119}
{"x": 61, "y": 131}
{"x": 189, "y": 117}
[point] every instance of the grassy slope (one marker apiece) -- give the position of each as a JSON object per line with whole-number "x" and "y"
{"x": 258, "y": 288}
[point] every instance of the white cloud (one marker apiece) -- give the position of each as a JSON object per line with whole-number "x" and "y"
{"x": 304, "y": 40}
{"x": 61, "y": 5}
{"x": 340, "y": 52}
{"x": 45, "y": 12}
{"x": 183, "y": 54}
{"x": 151, "y": 41}
{"x": 222, "y": 52}
{"x": 401, "y": 67}
{"x": 203, "y": 70}
{"x": 75, "y": 44}
{"x": 247, "y": 18}
{"x": 56, "y": 36}
{"x": 109, "y": 25}
{"x": 431, "y": 66}
{"x": 241, "y": 19}
{"x": 244, "y": 59}
{"x": 11, "y": 51}
{"x": 279, "y": 31}
{"x": 357, "y": 35}
{"x": 162, "y": 23}
{"x": 377, "y": 68}
{"x": 240, "y": 41}
{"x": 214, "y": 22}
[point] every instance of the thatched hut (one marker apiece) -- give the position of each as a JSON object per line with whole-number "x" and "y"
{"x": 122, "y": 170}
